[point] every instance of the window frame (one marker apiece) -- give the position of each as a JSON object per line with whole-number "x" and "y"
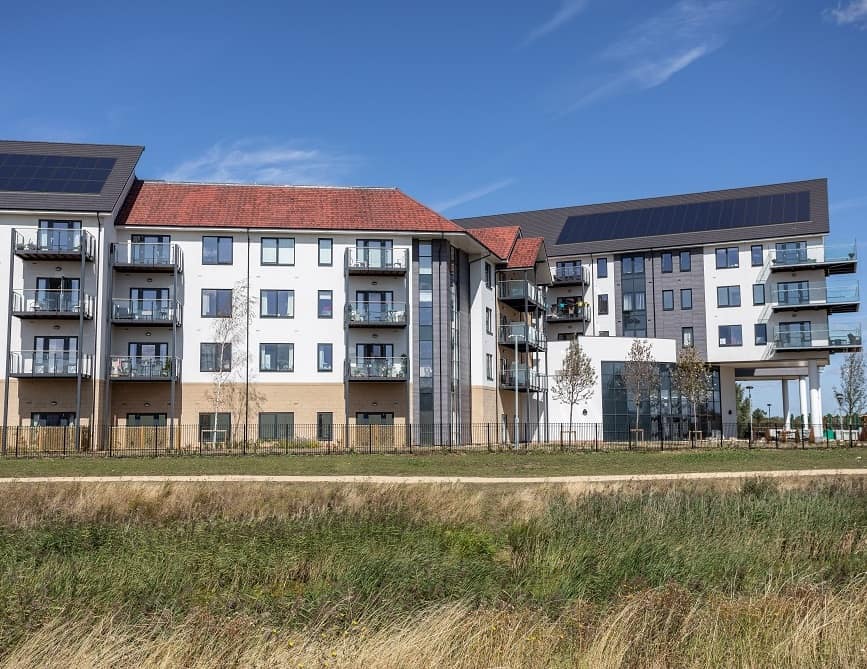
{"x": 214, "y": 422}
{"x": 290, "y": 433}
{"x": 670, "y": 304}
{"x": 319, "y": 296}
{"x": 761, "y": 249}
{"x": 488, "y": 275}
{"x": 290, "y": 350}
{"x": 683, "y": 292}
{"x": 277, "y": 263}
{"x": 728, "y": 294}
{"x": 601, "y": 268}
{"x": 319, "y": 250}
{"x": 324, "y": 430}
{"x": 216, "y": 302}
{"x": 224, "y": 366}
{"x": 740, "y": 330}
{"x": 666, "y": 262}
{"x": 602, "y": 305}
{"x": 681, "y": 256}
{"x": 489, "y": 320}
{"x": 290, "y": 302}
{"x": 764, "y": 297}
{"x": 764, "y": 329}
{"x": 727, "y": 250}
{"x": 320, "y": 347}
{"x": 687, "y": 329}
{"x": 489, "y": 366}
{"x": 218, "y": 239}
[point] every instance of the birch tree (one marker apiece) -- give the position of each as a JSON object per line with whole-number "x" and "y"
{"x": 641, "y": 374}
{"x": 692, "y": 377}
{"x": 852, "y": 392}
{"x": 576, "y": 380}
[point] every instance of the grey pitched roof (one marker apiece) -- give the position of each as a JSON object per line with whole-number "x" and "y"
{"x": 607, "y": 238}
{"x": 106, "y": 200}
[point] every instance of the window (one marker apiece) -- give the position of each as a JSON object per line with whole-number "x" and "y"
{"x": 793, "y": 292}
{"x": 789, "y": 253}
{"x": 686, "y": 299}
{"x": 489, "y": 366}
{"x": 216, "y": 250}
{"x": 757, "y": 255}
{"x": 602, "y": 267}
{"x": 667, "y": 263}
{"x": 215, "y": 357}
{"x": 488, "y": 275}
{"x": 603, "y": 333}
{"x": 489, "y": 320}
{"x": 568, "y": 270}
{"x": 324, "y": 308}
{"x": 686, "y": 337}
{"x": 324, "y": 353}
{"x": 726, "y": 258}
{"x": 276, "y": 357}
{"x": 276, "y": 425}
{"x": 685, "y": 261}
{"x": 215, "y": 428}
{"x": 216, "y": 302}
{"x": 324, "y": 425}
{"x": 325, "y": 252}
{"x": 277, "y": 304}
{"x": 758, "y": 293}
{"x": 636, "y": 301}
{"x": 668, "y": 300}
{"x": 632, "y": 264}
{"x": 730, "y": 335}
{"x": 728, "y": 296}
{"x": 761, "y": 330}
{"x": 278, "y": 251}
{"x": 602, "y": 306}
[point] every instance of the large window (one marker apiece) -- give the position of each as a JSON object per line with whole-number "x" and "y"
{"x": 278, "y": 251}
{"x": 730, "y": 335}
{"x": 215, "y": 428}
{"x": 632, "y": 264}
{"x": 276, "y": 425}
{"x": 568, "y": 269}
{"x": 728, "y": 296}
{"x": 324, "y": 357}
{"x": 685, "y": 261}
{"x": 758, "y": 293}
{"x": 757, "y": 255}
{"x": 326, "y": 252}
{"x": 686, "y": 299}
{"x": 216, "y": 302}
{"x": 667, "y": 263}
{"x": 215, "y": 357}
{"x": 276, "y": 357}
{"x": 761, "y": 332}
{"x": 277, "y": 304}
{"x": 602, "y": 304}
{"x": 602, "y": 267}
{"x": 726, "y": 258}
{"x": 216, "y": 250}
{"x": 793, "y": 292}
{"x": 668, "y": 300}
{"x": 325, "y": 425}
{"x": 325, "y": 302}
{"x": 634, "y": 301}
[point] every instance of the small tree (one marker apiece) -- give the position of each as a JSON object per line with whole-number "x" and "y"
{"x": 641, "y": 374}
{"x": 851, "y": 396}
{"x": 692, "y": 377}
{"x": 743, "y": 403}
{"x": 575, "y": 381}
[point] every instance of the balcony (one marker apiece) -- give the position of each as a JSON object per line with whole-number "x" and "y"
{"x": 524, "y": 335}
{"x": 571, "y": 276}
{"x": 833, "y": 340}
{"x": 836, "y": 300}
{"x": 564, "y": 312}
{"x": 830, "y": 259}
{"x": 152, "y": 313}
{"x": 377, "y": 369}
{"x": 525, "y": 378}
{"x": 376, "y": 314}
{"x": 54, "y": 304}
{"x": 374, "y": 261}
{"x": 147, "y": 257}
{"x": 143, "y": 368}
{"x": 49, "y": 364}
{"x": 54, "y": 244}
{"x": 521, "y": 295}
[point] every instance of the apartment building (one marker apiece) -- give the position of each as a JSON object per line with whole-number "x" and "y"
{"x": 744, "y": 275}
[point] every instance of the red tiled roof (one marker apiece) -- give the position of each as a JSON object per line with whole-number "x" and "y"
{"x": 500, "y": 240}
{"x": 525, "y": 253}
{"x": 294, "y": 207}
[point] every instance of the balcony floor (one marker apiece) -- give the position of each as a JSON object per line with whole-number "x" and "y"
{"x": 51, "y": 315}
{"x": 144, "y": 268}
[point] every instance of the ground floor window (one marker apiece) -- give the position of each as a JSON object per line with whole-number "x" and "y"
{"x": 145, "y": 419}
{"x": 52, "y": 419}
{"x": 214, "y": 428}
{"x": 276, "y": 425}
{"x": 325, "y": 426}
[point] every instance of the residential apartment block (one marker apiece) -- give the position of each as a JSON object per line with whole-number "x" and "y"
{"x": 147, "y": 303}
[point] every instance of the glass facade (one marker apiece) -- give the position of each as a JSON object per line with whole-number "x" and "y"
{"x": 425, "y": 334}
{"x": 634, "y": 298}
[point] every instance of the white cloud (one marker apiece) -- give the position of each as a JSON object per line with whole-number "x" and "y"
{"x": 653, "y": 51}
{"x": 472, "y": 195}
{"x": 855, "y": 13}
{"x": 851, "y": 203}
{"x": 253, "y": 161}
{"x": 568, "y": 10}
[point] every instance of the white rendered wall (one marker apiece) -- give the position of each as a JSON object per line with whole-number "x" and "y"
{"x": 482, "y": 344}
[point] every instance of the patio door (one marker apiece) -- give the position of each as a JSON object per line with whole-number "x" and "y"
{"x": 52, "y": 418}
{"x": 147, "y": 359}
{"x": 374, "y": 252}
{"x": 149, "y": 302}
{"x": 377, "y": 304}
{"x": 55, "y": 355}
{"x": 375, "y": 430}
{"x": 795, "y": 334}
{"x": 57, "y": 293}
{"x": 150, "y": 249}
{"x": 791, "y": 252}
{"x": 59, "y": 235}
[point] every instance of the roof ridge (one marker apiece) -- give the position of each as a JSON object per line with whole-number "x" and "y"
{"x": 174, "y": 182}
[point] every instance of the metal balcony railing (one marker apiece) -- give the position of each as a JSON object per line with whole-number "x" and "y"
{"x": 525, "y": 334}
{"x": 373, "y": 260}
{"x": 569, "y": 312}
{"x": 525, "y": 378}
{"x": 785, "y": 296}
{"x": 838, "y": 258}
{"x": 516, "y": 291}
{"x": 53, "y": 243}
{"x": 51, "y": 303}
{"x": 571, "y": 274}
{"x": 818, "y": 338}
{"x": 384, "y": 314}
{"x": 146, "y": 312}
{"x": 144, "y": 368}
{"x": 49, "y": 364}
{"x": 378, "y": 369}
{"x": 147, "y": 256}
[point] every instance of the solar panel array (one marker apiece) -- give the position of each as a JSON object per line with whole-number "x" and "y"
{"x": 54, "y": 174}
{"x": 696, "y": 217}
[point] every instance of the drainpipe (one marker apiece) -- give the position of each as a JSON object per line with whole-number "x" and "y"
{"x": 5, "y": 425}
{"x": 247, "y": 349}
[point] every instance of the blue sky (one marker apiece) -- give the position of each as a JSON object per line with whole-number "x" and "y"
{"x": 471, "y": 107}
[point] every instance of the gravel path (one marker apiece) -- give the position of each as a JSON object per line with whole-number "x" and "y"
{"x": 612, "y": 478}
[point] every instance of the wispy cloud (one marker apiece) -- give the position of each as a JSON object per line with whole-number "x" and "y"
{"x": 652, "y": 52}
{"x": 255, "y": 161}
{"x": 469, "y": 196}
{"x": 851, "y": 203}
{"x": 854, "y": 13}
{"x": 568, "y": 10}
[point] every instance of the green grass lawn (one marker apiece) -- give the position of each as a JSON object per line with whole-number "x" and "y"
{"x": 471, "y": 464}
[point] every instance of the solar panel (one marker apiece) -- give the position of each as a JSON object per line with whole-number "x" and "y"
{"x": 81, "y": 175}
{"x": 742, "y": 212}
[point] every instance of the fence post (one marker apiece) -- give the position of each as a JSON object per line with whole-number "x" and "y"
{"x": 17, "y": 427}
{"x": 561, "y": 436}
{"x": 488, "y": 434}
{"x": 776, "y": 437}
{"x": 596, "y": 437}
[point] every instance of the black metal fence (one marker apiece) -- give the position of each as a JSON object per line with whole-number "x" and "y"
{"x": 163, "y": 440}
